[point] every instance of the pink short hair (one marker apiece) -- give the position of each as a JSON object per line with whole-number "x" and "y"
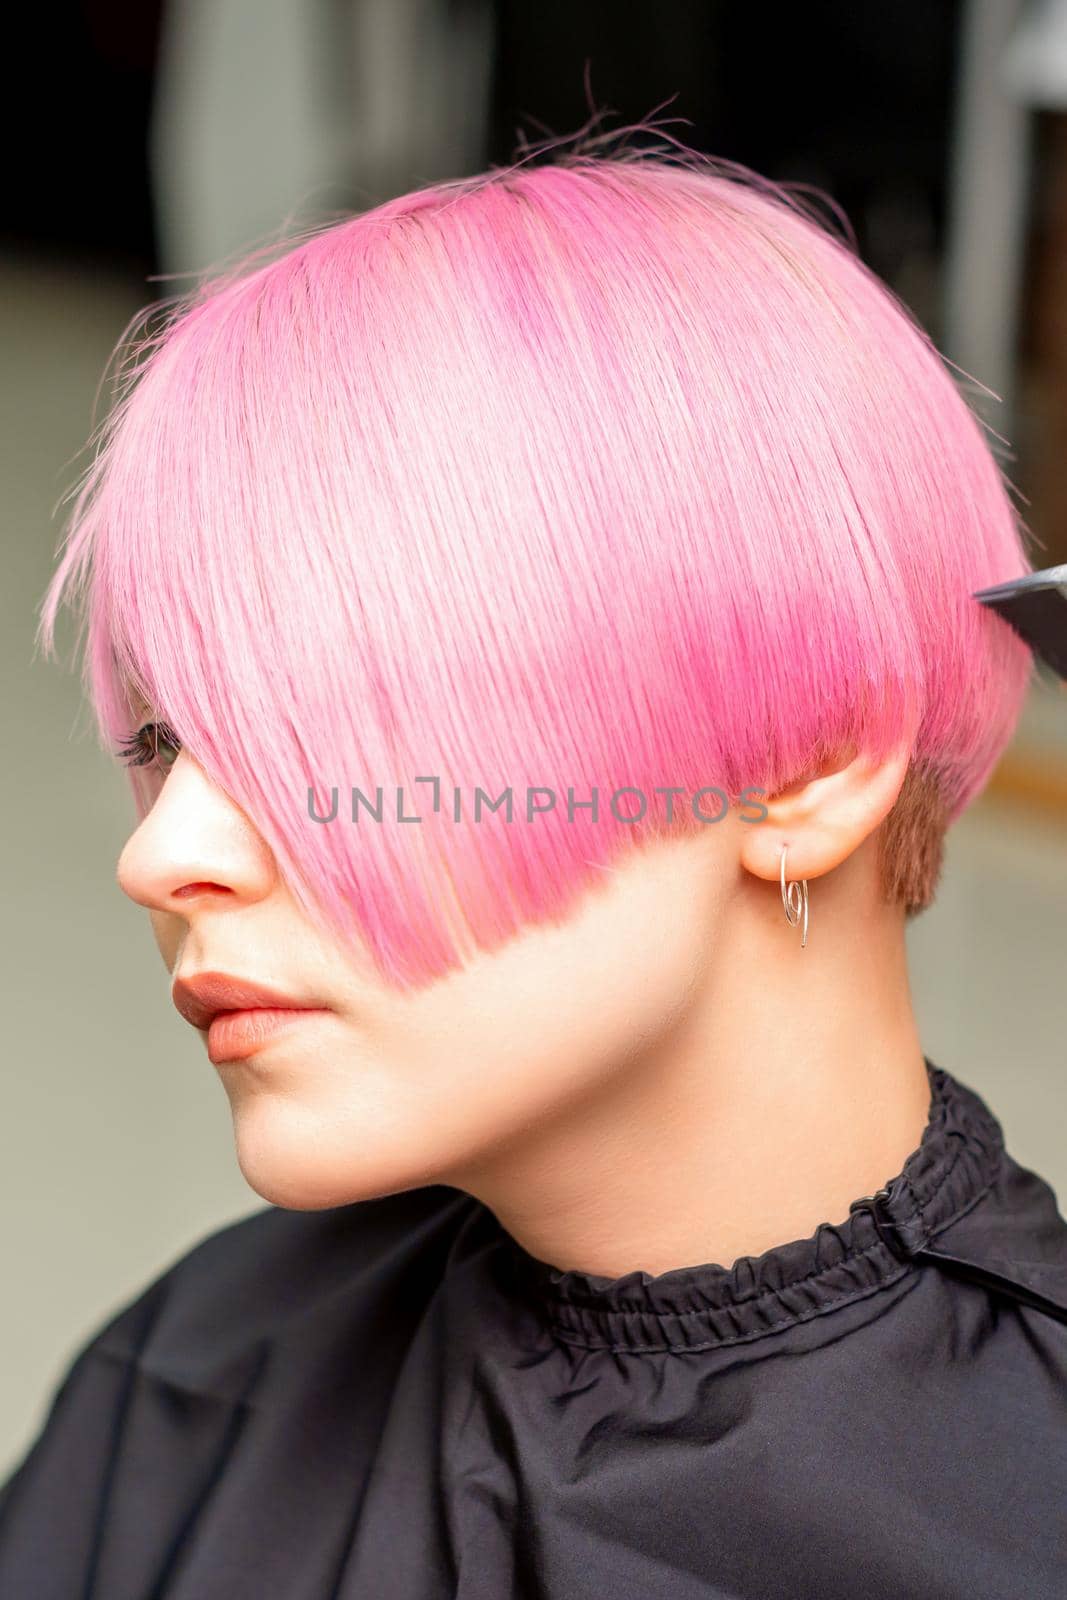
{"x": 610, "y": 470}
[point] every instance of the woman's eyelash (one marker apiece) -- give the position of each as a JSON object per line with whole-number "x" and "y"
{"x": 153, "y": 742}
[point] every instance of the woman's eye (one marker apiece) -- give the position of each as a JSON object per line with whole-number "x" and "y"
{"x": 153, "y": 745}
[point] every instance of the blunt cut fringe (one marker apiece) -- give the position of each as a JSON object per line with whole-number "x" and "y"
{"x": 614, "y": 469}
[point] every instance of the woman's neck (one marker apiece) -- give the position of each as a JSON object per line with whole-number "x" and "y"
{"x": 792, "y": 1083}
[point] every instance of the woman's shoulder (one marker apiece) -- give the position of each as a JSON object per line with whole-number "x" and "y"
{"x": 197, "y": 1322}
{"x": 261, "y": 1314}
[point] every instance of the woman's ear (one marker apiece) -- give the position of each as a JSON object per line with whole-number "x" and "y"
{"x": 825, "y": 818}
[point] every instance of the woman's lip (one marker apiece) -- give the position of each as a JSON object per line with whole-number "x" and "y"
{"x": 236, "y": 1035}
{"x": 201, "y": 996}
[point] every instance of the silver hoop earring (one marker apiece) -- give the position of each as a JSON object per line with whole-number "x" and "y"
{"x": 795, "y": 900}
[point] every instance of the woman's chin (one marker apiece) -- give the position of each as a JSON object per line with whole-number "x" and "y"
{"x": 291, "y": 1160}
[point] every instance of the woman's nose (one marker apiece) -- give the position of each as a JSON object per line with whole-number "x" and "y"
{"x": 194, "y": 848}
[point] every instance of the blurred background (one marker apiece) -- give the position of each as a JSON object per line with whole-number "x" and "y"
{"x": 149, "y": 141}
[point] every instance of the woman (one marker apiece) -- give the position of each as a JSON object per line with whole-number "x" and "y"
{"x": 538, "y": 616}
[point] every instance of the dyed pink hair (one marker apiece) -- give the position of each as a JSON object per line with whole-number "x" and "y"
{"x": 613, "y": 470}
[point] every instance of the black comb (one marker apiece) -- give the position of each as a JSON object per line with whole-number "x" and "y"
{"x": 1036, "y": 607}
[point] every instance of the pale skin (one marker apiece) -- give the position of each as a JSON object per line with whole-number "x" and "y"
{"x": 667, "y": 1079}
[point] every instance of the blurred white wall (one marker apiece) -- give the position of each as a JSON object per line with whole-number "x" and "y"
{"x": 281, "y": 109}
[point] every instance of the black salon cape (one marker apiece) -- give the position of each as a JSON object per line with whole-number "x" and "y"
{"x": 393, "y": 1401}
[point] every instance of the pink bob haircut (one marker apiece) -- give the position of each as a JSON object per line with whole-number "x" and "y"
{"x": 616, "y": 470}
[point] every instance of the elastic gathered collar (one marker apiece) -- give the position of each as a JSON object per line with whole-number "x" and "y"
{"x": 702, "y": 1307}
